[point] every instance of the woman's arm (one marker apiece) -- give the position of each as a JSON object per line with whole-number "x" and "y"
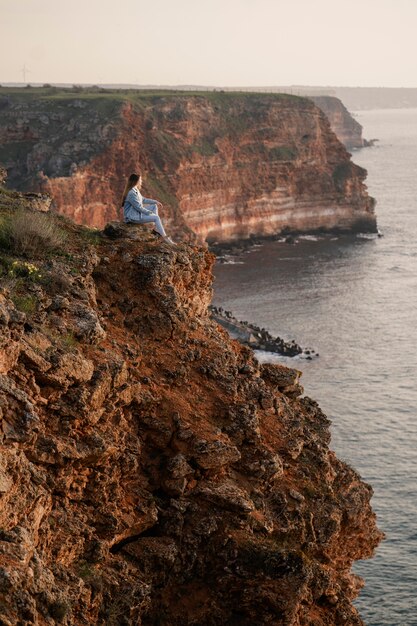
{"x": 150, "y": 201}
{"x": 136, "y": 204}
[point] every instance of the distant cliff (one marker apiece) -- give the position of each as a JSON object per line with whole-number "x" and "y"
{"x": 151, "y": 470}
{"x": 225, "y": 165}
{"x": 346, "y": 128}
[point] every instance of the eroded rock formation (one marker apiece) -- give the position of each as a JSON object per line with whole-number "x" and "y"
{"x": 152, "y": 471}
{"x": 225, "y": 165}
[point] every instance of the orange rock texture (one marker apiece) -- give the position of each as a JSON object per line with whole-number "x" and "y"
{"x": 225, "y": 165}
{"x": 152, "y": 471}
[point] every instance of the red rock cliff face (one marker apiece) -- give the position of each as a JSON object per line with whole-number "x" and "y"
{"x": 152, "y": 472}
{"x": 225, "y": 165}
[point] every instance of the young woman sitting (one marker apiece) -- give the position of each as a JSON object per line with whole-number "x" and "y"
{"x": 140, "y": 210}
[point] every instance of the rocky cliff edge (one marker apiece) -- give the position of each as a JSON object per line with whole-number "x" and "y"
{"x": 152, "y": 471}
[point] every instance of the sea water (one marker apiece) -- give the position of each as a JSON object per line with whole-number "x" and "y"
{"x": 354, "y": 300}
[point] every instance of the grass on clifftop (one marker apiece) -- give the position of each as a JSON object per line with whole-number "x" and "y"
{"x": 26, "y": 234}
{"x": 39, "y": 253}
{"x": 144, "y": 96}
{"x": 30, "y": 235}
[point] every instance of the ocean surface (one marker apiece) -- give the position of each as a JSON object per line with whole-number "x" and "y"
{"x": 354, "y": 300}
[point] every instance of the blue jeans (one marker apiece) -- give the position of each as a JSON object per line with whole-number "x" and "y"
{"x": 148, "y": 219}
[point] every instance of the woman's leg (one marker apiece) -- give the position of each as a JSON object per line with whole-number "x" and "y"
{"x": 147, "y": 219}
{"x": 152, "y": 206}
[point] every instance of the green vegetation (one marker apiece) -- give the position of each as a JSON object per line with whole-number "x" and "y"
{"x": 9, "y": 193}
{"x": 68, "y": 341}
{"x": 167, "y": 149}
{"x": 59, "y": 609}
{"x": 19, "y": 279}
{"x": 160, "y": 188}
{"x": 11, "y": 201}
{"x": 283, "y": 153}
{"x": 153, "y": 96}
{"x": 91, "y": 235}
{"x": 26, "y": 304}
{"x": 341, "y": 173}
{"x": 205, "y": 147}
{"x": 89, "y": 573}
{"x": 24, "y": 269}
{"x": 85, "y": 570}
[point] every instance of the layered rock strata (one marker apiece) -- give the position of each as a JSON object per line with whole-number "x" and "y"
{"x": 343, "y": 124}
{"x": 225, "y": 165}
{"x": 152, "y": 471}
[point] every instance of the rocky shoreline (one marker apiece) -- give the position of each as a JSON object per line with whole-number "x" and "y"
{"x": 238, "y": 246}
{"x": 258, "y": 338}
{"x": 230, "y": 248}
{"x": 234, "y": 248}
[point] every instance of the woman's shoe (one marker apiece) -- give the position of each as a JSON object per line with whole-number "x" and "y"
{"x": 169, "y": 240}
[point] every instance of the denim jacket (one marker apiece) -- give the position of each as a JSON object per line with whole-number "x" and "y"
{"x": 133, "y": 208}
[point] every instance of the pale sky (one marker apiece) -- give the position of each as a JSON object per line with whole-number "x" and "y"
{"x": 210, "y": 42}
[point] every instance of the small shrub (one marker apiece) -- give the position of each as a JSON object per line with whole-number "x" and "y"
{"x": 23, "y": 269}
{"x": 25, "y": 304}
{"x": 90, "y": 575}
{"x": 30, "y": 233}
{"x": 85, "y": 570}
{"x": 206, "y": 147}
{"x": 69, "y": 341}
{"x": 177, "y": 114}
{"x": 59, "y": 609}
{"x": 56, "y": 282}
{"x": 91, "y": 235}
{"x": 283, "y": 153}
{"x": 5, "y": 265}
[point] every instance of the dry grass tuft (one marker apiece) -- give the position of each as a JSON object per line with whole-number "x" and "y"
{"x": 30, "y": 233}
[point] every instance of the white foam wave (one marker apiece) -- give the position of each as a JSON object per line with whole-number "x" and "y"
{"x": 367, "y": 235}
{"x": 232, "y": 262}
{"x": 309, "y": 238}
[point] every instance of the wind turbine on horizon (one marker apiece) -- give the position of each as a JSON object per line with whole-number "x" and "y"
{"x": 25, "y": 71}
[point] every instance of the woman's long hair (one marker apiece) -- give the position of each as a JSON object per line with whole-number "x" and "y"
{"x": 131, "y": 182}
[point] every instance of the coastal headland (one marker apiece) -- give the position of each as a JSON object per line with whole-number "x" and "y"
{"x": 151, "y": 470}
{"x": 227, "y": 166}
